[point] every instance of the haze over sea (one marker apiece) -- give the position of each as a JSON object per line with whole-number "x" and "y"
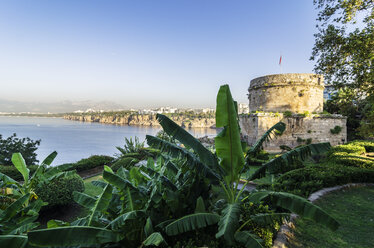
{"x": 76, "y": 140}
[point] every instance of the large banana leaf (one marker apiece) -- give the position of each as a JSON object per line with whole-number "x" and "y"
{"x": 248, "y": 239}
{"x": 10, "y": 241}
{"x": 73, "y": 236}
{"x": 116, "y": 180}
{"x": 119, "y": 222}
{"x": 155, "y": 239}
{"x": 84, "y": 200}
{"x": 296, "y": 204}
{"x": 14, "y": 208}
{"x": 300, "y": 153}
{"x": 175, "y": 151}
{"x": 277, "y": 129}
{"x": 191, "y": 222}
{"x": 228, "y": 144}
{"x": 20, "y": 164}
{"x": 229, "y": 222}
{"x": 268, "y": 219}
{"x": 101, "y": 203}
{"x": 49, "y": 159}
{"x": 177, "y": 132}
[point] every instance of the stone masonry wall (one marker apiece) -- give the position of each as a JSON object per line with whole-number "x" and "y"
{"x": 298, "y": 129}
{"x": 295, "y": 92}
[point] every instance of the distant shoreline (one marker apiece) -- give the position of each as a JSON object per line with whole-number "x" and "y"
{"x": 186, "y": 120}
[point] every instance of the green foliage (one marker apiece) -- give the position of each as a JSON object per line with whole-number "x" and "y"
{"x": 287, "y": 114}
{"x": 126, "y": 162}
{"x": 13, "y": 144}
{"x": 131, "y": 146}
{"x": 12, "y": 171}
{"x": 352, "y": 154}
{"x": 277, "y": 164}
{"x": 92, "y": 162}
{"x": 265, "y": 231}
{"x": 368, "y": 145}
{"x": 307, "y": 180}
{"x": 336, "y": 130}
{"x": 347, "y": 27}
{"x": 273, "y": 132}
{"x": 227, "y": 143}
{"x": 59, "y": 191}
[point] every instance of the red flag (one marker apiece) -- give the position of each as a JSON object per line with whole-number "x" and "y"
{"x": 280, "y": 60}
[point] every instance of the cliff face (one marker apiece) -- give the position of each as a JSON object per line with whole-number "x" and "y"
{"x": 142, "y": 120}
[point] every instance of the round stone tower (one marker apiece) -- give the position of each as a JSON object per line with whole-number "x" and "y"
{"x": 295, "y": 92}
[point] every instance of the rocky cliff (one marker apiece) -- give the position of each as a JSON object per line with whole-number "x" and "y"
{"x": 142, "y": 120}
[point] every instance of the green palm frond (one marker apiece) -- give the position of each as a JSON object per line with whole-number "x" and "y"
{"x": 178, "y": 152}
{"x": 191, "y": 222}
{"x": 296, "y": 204}
{"x": 269, "y": 218}
{"x": 248, "y": 239}
{"x": 275, "y": 130}
{"x": 300, "y": 153}
{"x": 177, "y": 132}
{"x": 229, "y": 222}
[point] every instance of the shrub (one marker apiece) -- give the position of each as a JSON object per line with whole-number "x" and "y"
{"x": 287, "y": 114}
{"x": 336, "y": 130}
{"x": 12, "y": 171}
{"x": 307, "y": 180}
{"x": 59, "y": 191}
{"x": 12, "y": 144}
{"x": 347, "y": 148}
{"x": 369, "y": 145}
{"x": 92, "y": 162}
{"x": 352, "y": 160}
{"x": 127, "y": 163}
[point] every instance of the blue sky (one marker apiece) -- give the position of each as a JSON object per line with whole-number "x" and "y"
{"x": 149, "y": 52}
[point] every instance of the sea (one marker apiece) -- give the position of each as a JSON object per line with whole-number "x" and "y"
{"x": 74, "y": 140}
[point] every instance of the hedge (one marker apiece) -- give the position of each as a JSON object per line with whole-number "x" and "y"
{"x": 307, "y": 180}
{"x": 11, "y": 171}
{"x": 92, "y": 162}
{"x": 126, "y": 162}
{"x": 59, "y": 191}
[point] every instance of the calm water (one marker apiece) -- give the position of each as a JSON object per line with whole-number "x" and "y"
{"x": 76, "y": 140}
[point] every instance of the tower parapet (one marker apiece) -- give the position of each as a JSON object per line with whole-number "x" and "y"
{"x": 295, "y": 92}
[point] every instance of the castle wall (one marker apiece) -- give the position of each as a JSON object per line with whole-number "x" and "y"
{"x": 295, "y": 92}
{"x": 299, "y": 130}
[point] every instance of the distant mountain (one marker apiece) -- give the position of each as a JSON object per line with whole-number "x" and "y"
{"x": 56, "y": 107}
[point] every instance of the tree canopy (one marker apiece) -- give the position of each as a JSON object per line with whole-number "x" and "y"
{"x": 344, "y": 53}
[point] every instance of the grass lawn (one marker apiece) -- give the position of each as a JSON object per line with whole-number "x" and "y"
{"x": 354, "y": 210}
{"x": 91, "y": 189}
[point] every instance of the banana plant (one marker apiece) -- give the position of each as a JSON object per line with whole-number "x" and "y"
{"x": 224, "y": 167}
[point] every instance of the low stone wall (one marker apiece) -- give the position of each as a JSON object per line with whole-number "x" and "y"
{"x": 299, "y": 130}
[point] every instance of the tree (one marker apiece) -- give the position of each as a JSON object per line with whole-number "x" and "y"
{"x": 344, "y": 52}
{"x": 12, "y": 144}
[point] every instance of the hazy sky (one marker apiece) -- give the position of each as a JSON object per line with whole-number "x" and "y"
{"x": 149, "y": 53}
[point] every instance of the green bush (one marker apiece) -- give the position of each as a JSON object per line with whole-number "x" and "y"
{"x": 92, "y": 162}
{"x": 12, "y": 171}
{"x": 352, "y": 160}
{"x": 307, "y": 180}
{"x": 59, "y": 191}
{"x": 348, "y": 148}
{"x": 127, "y": 163}
{"x": 12, "y": 144}
{"x": 369, "y": 145}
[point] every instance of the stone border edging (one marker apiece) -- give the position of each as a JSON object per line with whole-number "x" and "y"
{"x": 285, "y": 230}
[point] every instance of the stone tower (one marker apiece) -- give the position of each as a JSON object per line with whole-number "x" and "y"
{"x": 295, "y": 92}
{"x": 297, "y": 100}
